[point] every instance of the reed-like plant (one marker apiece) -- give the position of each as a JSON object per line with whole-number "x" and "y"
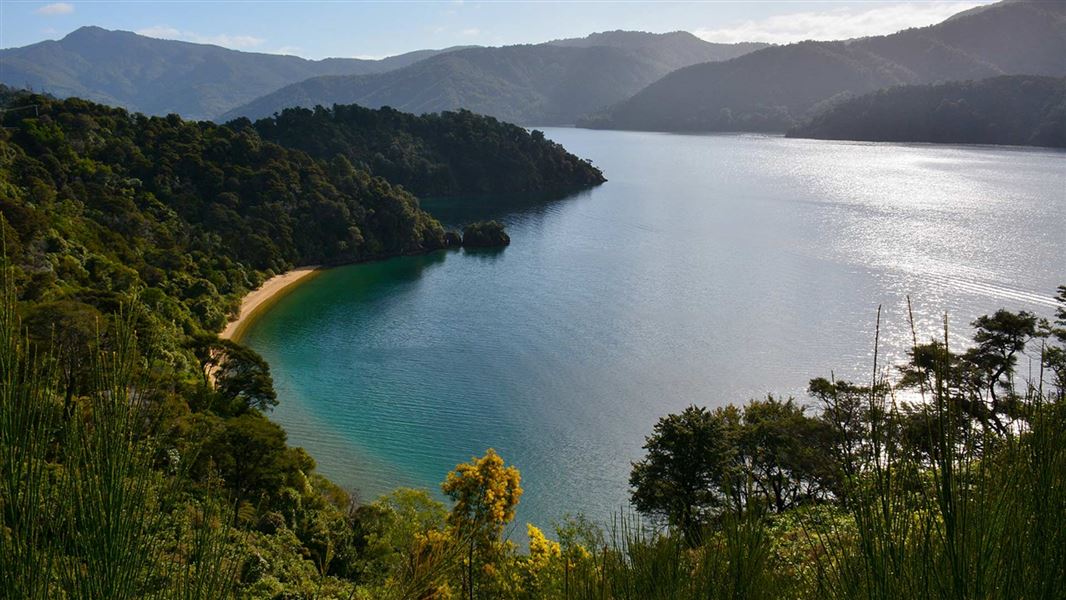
{"x": 977, "y": 514}
{"x": 28, "y": 419}
{"x": 86, "y": 511}
{"x": 638, "y": 562}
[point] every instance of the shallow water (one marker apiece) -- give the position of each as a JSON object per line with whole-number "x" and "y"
{"x": 708, "y": 270}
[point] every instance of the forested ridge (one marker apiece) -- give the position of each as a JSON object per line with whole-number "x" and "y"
{"x": 194, "y": 213}
{"x": 439, "y": 154}
{"x": 1018, "y": 110}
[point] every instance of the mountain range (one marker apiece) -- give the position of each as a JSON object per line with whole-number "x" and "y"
{"x": 544, "y": 84}
{"x": 777, "y": 88}
{"x": 157, "y": 77}
{"x": 614, "y": 80}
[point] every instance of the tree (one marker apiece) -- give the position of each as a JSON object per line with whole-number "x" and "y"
{"x": 241, "y": 377}
{"x": 1055, "y": 356}
{"x": 980, "y": 381}
{"x": 785, "y": 453}
{"x": 250, "y": 455}
{"x": 69, "y": 331}
{"x": 486, "y": 493}
{"x": 999, "y": 339}
{"x": 683, "y": 476}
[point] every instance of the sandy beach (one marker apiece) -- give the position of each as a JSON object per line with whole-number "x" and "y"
{"x": 256, "y": 301}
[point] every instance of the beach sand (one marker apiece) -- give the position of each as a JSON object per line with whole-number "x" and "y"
{"x": 258, "y": 300}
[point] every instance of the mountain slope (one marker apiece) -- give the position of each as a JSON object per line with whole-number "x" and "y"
{"x": 1011, "y": 110}
{"x": 552, "y": 83}
{"x": 157, "y": 77}
{"x": 775, "y": 88}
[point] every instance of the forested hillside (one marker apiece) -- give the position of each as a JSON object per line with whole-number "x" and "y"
{"x": 777, "y": 88}
{"x": 542, "y": 84}
{"x": 159, "y": 77}
{"x": 193, "y": 214}
{"x": 1012, "y": 110}
{"x": 450, "y": 153}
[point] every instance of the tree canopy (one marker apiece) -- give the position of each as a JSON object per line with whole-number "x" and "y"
{"x": 437, "y": 154}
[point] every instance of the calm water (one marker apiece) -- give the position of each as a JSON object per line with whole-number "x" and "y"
{"x": 708, "y": 270}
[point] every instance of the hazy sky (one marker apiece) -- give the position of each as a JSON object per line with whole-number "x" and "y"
{"x": 376, "y": 29}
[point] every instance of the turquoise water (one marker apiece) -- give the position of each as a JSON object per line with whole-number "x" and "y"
{"x": 708, "y": 270}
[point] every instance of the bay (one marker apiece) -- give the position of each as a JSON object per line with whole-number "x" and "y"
{"x": 708, "y": 270}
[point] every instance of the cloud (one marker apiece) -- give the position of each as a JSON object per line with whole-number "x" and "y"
{"x": 471, "y": 32}
{"x": 838, "y": 24}
{"x": 288, "y": 50}
{"x": 229, "y": 41}
{"x": 59, "y": 8}
{"x": 160, "y": 31}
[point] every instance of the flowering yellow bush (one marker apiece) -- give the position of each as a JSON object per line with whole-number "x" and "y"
{"x": 541, "y": 550}
{"x": 486, "y": 493}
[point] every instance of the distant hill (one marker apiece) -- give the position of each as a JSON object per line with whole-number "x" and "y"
{"x": 544, "y": 84}
{"x": 1012, "y": 110}
{"x": 777, "y": 88}
{"x": 440, "y": 154}
{"x": 157, "y": 77}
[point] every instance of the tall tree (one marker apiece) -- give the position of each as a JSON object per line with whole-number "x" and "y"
{"x": 683, "y": 477}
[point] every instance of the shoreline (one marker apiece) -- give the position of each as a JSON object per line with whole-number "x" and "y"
{"x": 256, "y": 302}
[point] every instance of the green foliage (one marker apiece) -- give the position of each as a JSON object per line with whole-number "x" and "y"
{"x": 701, "y": 463}
{"x": 194, "y": 214}
{"x": 85, "y": 512}
{"x": 240, "y": 376}
{"x": 443, "y": 154}
{"x": 683, "y": 479}
{"x": 485, "y": 234}
{"x": 977, "y": 511}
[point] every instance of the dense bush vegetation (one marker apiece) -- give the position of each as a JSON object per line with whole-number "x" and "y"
{"x": 485, "y": 234}
{"x": 101, "y": 202}
{"x": 153, "y": 487}
{"x": 1015, "y": 110}
{"x": 160, "y": 484}
{"x": 449, "y": 153}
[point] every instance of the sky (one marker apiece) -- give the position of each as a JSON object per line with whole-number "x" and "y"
{"x": 375, "y": 29}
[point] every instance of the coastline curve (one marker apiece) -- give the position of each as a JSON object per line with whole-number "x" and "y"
{"x": 258, "y": 301}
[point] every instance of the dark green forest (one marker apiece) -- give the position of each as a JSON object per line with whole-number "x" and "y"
{"x": 440, "y": 154}
{"x": 192, "y": 213}
{"x": 1018, "y": 110}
